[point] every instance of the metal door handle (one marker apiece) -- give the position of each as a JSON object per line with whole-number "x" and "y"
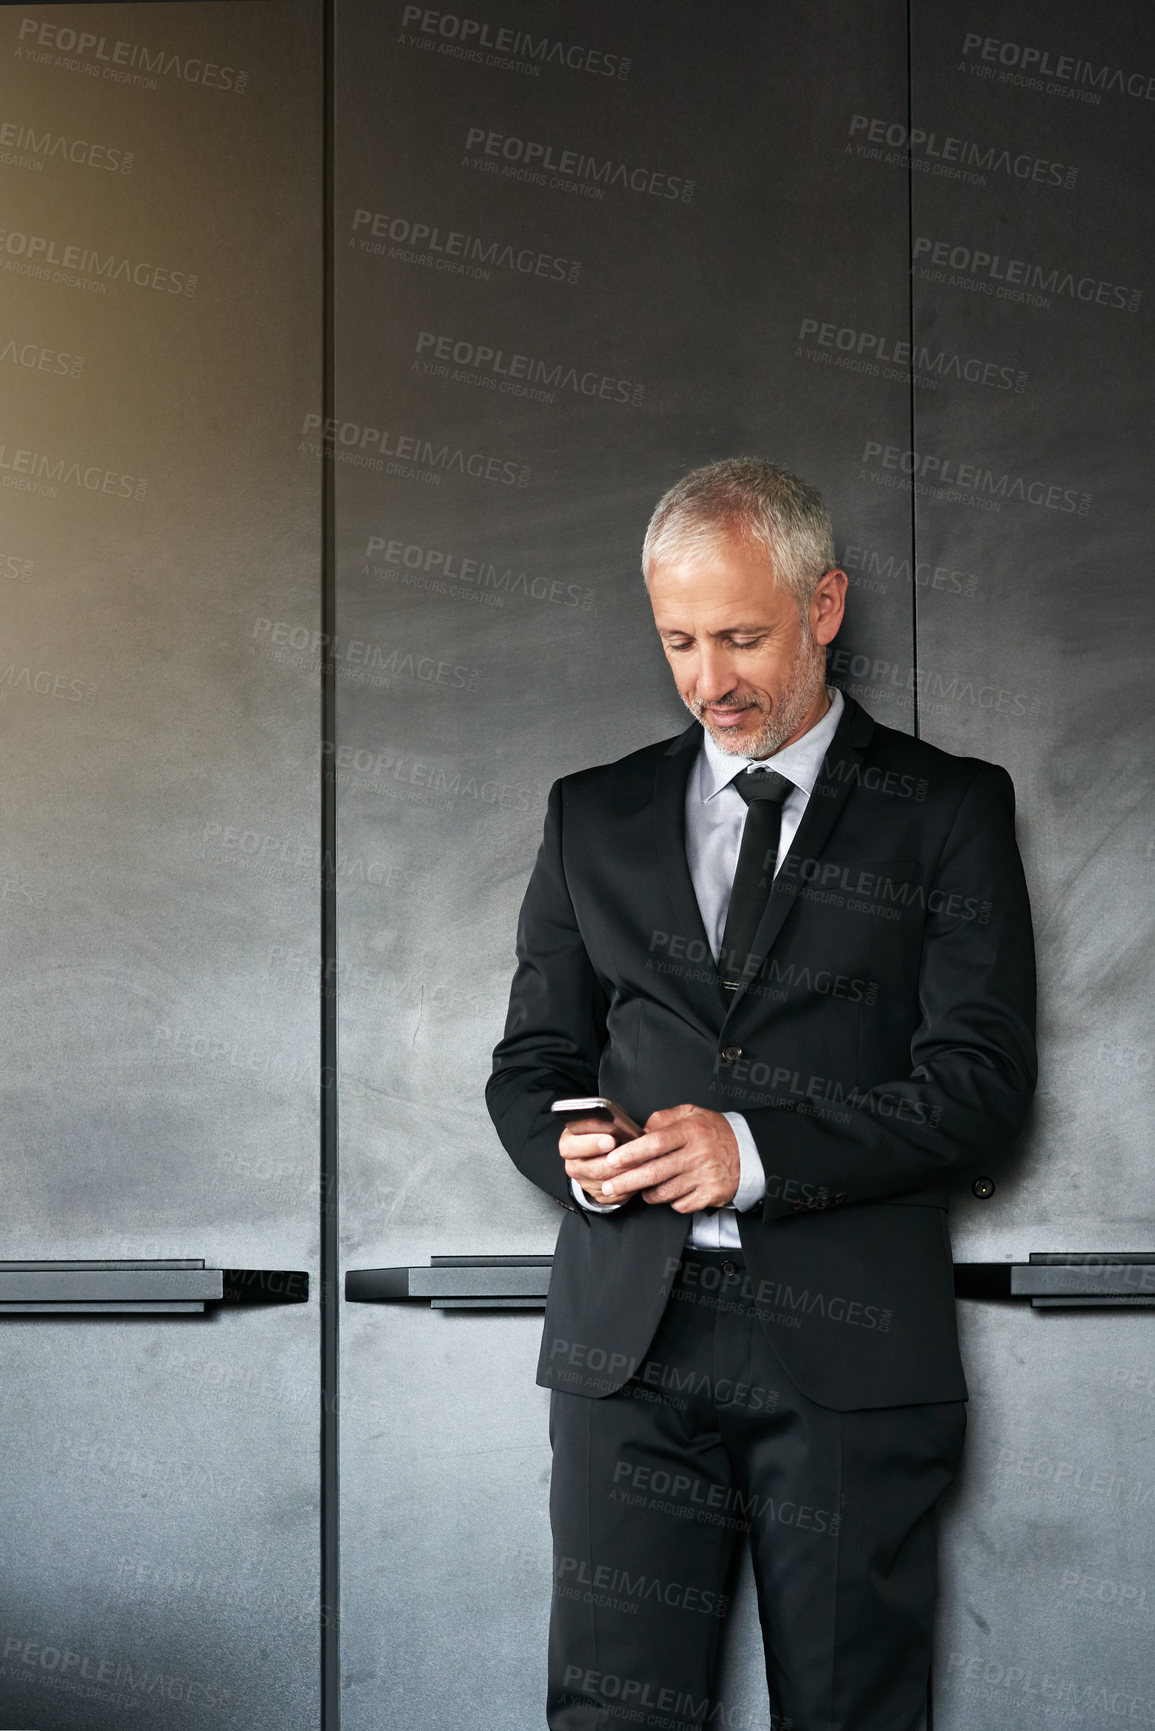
{"x": 1050, "y": 1280}
{"x": 176, "y": 1287}
{"x": 1064, "y": 1279}
{"x": 457, "y": 1283}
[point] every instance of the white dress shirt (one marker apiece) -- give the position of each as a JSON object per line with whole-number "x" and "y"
{"x": 715, "y": 817}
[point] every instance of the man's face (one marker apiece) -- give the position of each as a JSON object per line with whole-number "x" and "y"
{"x": 745, "y": 663}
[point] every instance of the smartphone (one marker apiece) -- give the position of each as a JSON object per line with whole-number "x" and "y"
{"x": 597, "y": 1106}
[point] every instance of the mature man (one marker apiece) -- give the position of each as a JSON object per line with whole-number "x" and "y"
{"x": 796, "y": 947}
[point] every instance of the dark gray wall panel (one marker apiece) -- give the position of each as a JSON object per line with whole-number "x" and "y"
{"x": 160, "y": 851}
{"x": 494, "y": 634}
{"x": 446, "y": 1577}
{"x": 1057, "y": 629}
{"x": 1034, "y": 254}
{"x": 1046, "y": 1549}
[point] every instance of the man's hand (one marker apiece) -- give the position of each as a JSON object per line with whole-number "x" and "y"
{"x": 583, "y": 1145}
{"x": 687, "y": 1157}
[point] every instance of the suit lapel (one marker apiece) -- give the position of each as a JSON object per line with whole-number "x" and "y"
{"x": 669, "y": 813}
{"x": 836, "y": 778}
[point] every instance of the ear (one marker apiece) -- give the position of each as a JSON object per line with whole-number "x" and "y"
{"x": 827, "y": 606}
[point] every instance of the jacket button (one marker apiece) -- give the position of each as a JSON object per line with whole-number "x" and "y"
{"x": 730, "y": 1054}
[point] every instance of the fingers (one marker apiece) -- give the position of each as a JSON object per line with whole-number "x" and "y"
{"x": 596, "y": 1191}
{"x": 665, "y": 1138}
{"x": 591, "y": 1126}
{"x": 586, "y": 1138}
{"x": 680, "y": 1189}
{"x": 686, "y": 1157}
{"x": 667, "y": 1115}
{"x": 653, "y": 1158}
{"x": 591, "y": 1175}
{"x": 641, "y": 1178}
{"x": 688, "y": 1190}
{"x": 576, "y": 1143}
{"x": 643, "y": 1148}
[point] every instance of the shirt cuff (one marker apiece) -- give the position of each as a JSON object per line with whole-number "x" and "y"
{"x": 593, "y": 1207}
{"x": 751, "y": 1174}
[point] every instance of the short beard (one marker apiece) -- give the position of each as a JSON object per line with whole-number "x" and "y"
{"x": 807, "y": 677}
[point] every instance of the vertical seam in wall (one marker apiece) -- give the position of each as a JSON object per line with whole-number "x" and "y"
{"x": 912, "y": 444}
{"x": 330, "y": 1244}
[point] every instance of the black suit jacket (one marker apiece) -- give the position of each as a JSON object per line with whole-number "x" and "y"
{"x": 885, "y": 1044}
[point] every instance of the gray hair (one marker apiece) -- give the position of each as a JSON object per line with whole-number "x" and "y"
{"x": 767, "y": 507}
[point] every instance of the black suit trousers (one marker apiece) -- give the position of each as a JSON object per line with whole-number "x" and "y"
{"x": 653, "y": 1489}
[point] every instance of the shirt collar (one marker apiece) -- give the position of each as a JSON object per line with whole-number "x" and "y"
{"x": 799, "y": 763}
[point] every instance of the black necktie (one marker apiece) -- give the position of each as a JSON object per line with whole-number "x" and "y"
{"x": 764, "y": 791}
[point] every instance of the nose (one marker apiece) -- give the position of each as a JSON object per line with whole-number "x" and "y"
{"x": 716, "y": 676}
